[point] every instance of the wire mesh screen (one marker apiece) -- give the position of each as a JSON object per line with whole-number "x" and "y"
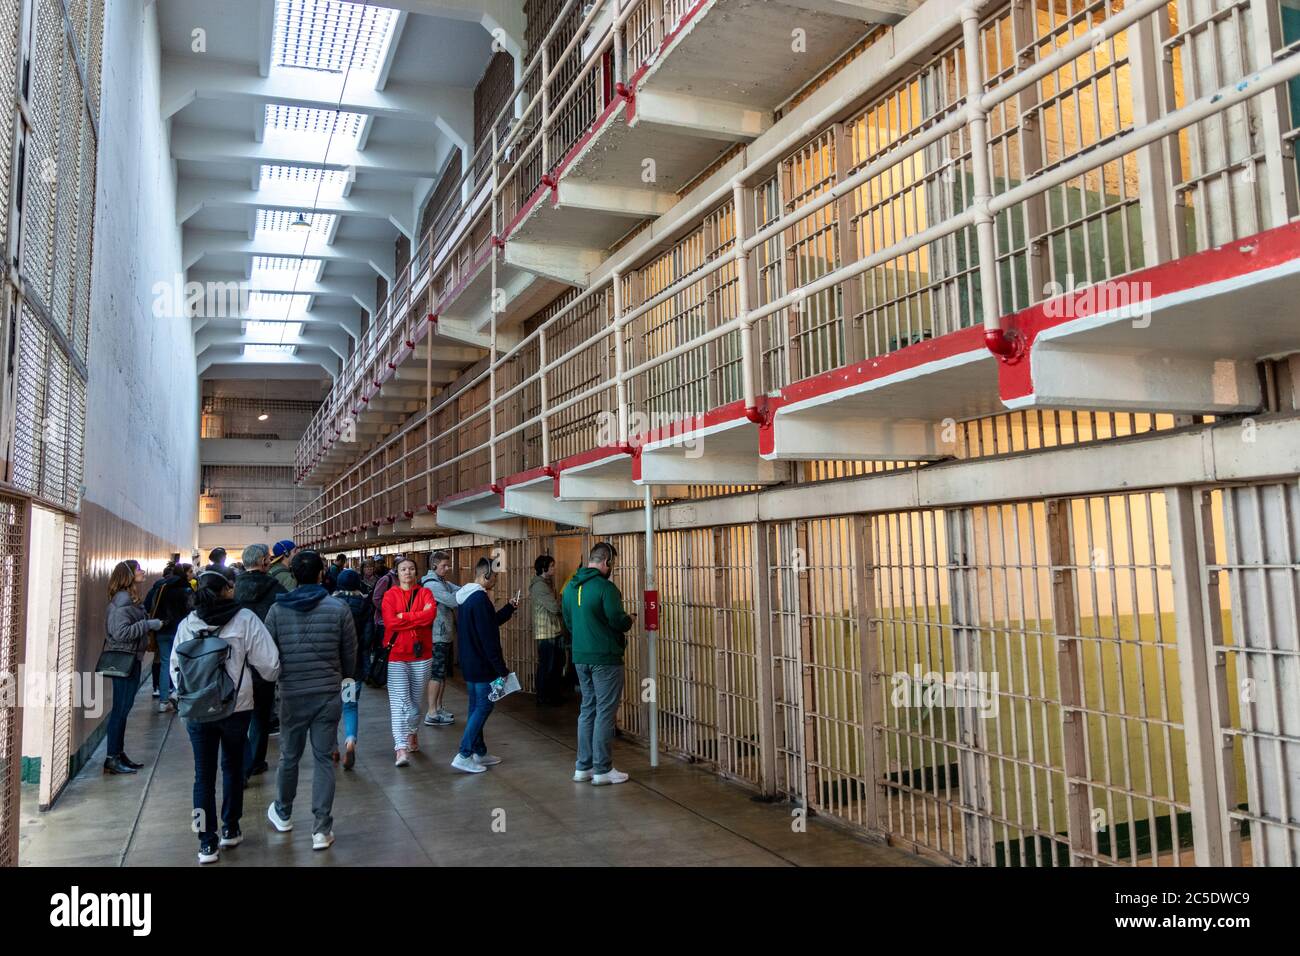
{"x": 13, "y": 573}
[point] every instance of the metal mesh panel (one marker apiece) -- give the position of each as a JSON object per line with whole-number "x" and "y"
{"x": 80, "y": 305}
{"x": 40, "y": 180}
{"x": 64, "y": 251}
{"x": 1251, "y": 541}
{"x": 31, "y": 374}
{"x": 63, "y": 660}
{"x": 9, "y": 21}
{"x": 13, "y": 572}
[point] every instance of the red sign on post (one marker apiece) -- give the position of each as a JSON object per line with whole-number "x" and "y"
{"x": 652, "y": 610}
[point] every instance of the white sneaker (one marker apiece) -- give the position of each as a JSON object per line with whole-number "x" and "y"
{"x": 402, "y": 759}
{"x": 468, "y": 764}
{"x": 614, "y": 776}
{"x": 581, "y": 776}
{"x": 277, "y": 821}
{"x": 487, "y": 760}
{"x": 209, "y": 854}
{"x": 322, "y": 841}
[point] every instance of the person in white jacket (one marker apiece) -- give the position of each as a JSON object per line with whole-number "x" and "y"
{"x": 251, "y": 645}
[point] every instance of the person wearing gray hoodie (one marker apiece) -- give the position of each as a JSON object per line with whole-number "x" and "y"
{"x": 444, "y": 590}
{"x": 318, "y": 649}
{"x": 128, "y": 628}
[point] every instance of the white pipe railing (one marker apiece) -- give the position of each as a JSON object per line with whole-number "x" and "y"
{"x": 980, "y": 215}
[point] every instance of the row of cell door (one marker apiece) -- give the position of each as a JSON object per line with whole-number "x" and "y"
{"x": 1104, "y": 680}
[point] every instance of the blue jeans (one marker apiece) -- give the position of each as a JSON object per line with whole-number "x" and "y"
{"x": 479, "y": 709}
{"x": 602, "y": 686}
{"x": 259, "y": 728}
{"x": 124, "y": 689}
{"x": 225, "y": 736}
{"x": 165, "y": 642}
{"x": 350, "y": 710}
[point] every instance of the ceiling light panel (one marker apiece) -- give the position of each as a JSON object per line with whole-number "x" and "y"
{"x": 344, "y": 127}
{"x": 325, "y": 183}
{"x": 281, "y": 220}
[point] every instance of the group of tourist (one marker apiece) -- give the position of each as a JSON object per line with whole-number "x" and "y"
{"x": 284, "y": 635}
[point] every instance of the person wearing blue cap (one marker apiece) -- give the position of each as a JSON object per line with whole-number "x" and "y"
{"x": 282, "y": 553}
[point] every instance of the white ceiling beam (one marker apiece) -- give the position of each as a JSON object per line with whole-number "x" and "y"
{"x": 186, "y": 79}
{"x": 265, "y": 35}
{"x": 319, "y": 337}
{"x": 234, "y": 355}
{"x": 198, "y": 243}
{"x": 225, "y": 146}
{"x": 196, "y": 194}
{"x": 329, "y": 317}
{"x": 360, "y": 290}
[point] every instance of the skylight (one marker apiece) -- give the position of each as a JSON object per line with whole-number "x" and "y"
{"x": 345, "y": 126}
{"x": 261, "y": 349}
{"x": 279, "y": 269}
{"x": 331, "y": 35}
{"x": 278, "y": 304}
{"x": 280, "y": 220}
{"x": 302, "y": 180}
{"x": 263, "y": 332}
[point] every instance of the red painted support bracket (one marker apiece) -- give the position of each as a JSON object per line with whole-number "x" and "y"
{"x": 498, "y": 242}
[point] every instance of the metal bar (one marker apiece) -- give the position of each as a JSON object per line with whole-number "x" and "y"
{"x": 652, "y": 634}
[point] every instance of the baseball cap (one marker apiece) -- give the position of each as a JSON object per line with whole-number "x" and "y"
{"x": 282, "y": 548}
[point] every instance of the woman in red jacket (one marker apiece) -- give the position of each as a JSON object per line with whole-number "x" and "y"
{"x": 408, "y": 610}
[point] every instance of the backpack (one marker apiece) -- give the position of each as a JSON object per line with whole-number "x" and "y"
{"x": 205, "y": 692}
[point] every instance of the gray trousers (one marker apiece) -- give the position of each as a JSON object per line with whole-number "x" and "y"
{"x": 602, "y": 687}
{"x": 314, "y": 716}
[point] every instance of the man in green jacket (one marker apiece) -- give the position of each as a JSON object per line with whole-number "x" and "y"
{"x": 593, "y": 612}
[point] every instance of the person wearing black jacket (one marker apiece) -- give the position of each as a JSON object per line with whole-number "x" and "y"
{"x": 169, "y": 601}
{"x": 481, "y": 662}
{"x": 256, "y": 590}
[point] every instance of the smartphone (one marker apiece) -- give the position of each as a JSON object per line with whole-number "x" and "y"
{"x": 518, "y": 594}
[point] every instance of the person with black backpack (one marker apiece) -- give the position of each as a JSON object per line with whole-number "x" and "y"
{"x": 215, "y": 647}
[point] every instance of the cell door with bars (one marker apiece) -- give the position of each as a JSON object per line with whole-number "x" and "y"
{"x": 1250, "y": 547}
{"x": 817, "y": 666}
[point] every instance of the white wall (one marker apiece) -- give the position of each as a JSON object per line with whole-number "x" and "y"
{"x": 142, "y": 424}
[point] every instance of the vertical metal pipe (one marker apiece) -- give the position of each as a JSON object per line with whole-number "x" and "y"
{"x": 546, "y": 108}
{"x": 619, "y": 56}
{"x": 744, "y": 229}
{"x": 981, "y": 176}
{"x": 620, "y": 362}
{"x": 544, "y": 399}
{"x": 492, "y": 349}
{"x": 652, "y": 635}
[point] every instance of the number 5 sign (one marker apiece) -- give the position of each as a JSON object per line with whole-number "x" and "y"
{"x": 652, "y": 610}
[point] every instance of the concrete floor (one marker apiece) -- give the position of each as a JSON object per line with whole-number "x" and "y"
{"x": 429, "y": 814}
